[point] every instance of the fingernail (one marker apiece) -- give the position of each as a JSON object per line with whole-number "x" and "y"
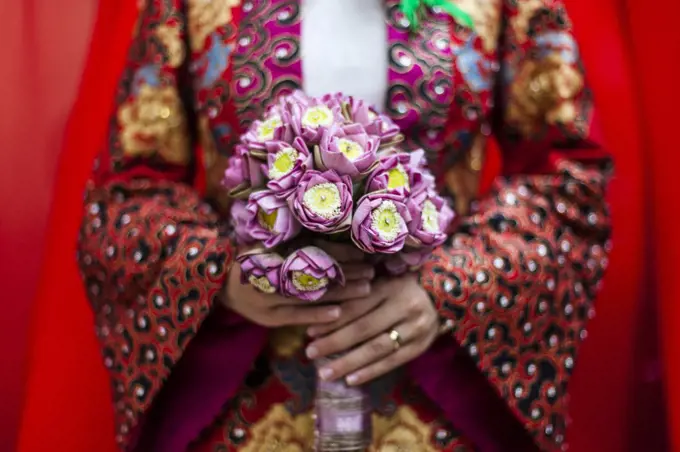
{"x": 312, "y": 332}
{"x": 369, "y": 274}
{"x": 325, "y": 373}
{"x": 365, "y": 288}
{"x": 352, "y": 379}
{"x": 312, "y": 352}
{"x": 334, "y": 313}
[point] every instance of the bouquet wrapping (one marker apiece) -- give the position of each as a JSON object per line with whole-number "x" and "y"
{"x": 330, "y": 167}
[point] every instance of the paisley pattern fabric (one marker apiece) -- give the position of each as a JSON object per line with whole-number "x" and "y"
{"x": 516, "y": 282}
{"x": 421, "y": 82}
{"x": 267, "y": 59}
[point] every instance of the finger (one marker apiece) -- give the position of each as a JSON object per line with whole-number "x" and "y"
{"x": 303, "y": 315}
{"x": 383, "y": 366}
{"x": 353, "y": 289}
{"x": 351, "y": 310}
{"x": 355, "y": 271}
{"x": 341, "y": 252}
{"x": 365, "y": 327}
{"x": 374, "y": 350}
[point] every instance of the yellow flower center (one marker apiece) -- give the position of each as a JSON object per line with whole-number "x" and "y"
{"x": 317, "y": 116}
{"x": 261, "y": 283}
{"x": 265, "y": 131}
{"x": 430, "y": 217}
{"x": 306, "y": 283}
{"x": 267, "y": 220}
{"x": 351, "y": 149}
{"x": 386, "y": 221}
{"x": 323, "y": 200}
{"x": 284, "y": 161}
{"x": 397, "y": 178}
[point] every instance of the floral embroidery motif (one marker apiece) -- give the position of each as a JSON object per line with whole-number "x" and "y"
{"x": 154, "y": 122}
{"x": 526, "y": 10}
{"x": 475, "y": 67}
{"x": 403, "y": 432}
{"x": 204, "y": 17}
{"x": 486, "y": 15}
{"x": 281, "y": 432}
{"x": 543, "y": 93}
{"x": 213, "y": 62}
{"x": 169, "y": 35}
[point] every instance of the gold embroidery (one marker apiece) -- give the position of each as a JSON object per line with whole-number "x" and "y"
{"x": 154, "y": 122}
{"x": 205, "y": 17}
{"x": 287, "y": 341}
{"x": 486, "y": 15}
{"x": 526, "y": 10}
{"x": 544, "y": 91}
{"x": 170, "y": 37}
{"x": 403, "y": 432}
{"x": 278, "y": 431}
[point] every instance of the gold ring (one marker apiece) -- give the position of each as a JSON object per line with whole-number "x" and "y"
{"x": 396, "y": 339}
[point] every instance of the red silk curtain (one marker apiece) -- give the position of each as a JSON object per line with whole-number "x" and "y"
{"x": 655, "y": 48}
{"x": 67, "y": 404}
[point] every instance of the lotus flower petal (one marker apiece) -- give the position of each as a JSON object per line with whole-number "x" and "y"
{"x": 308, "y": 273}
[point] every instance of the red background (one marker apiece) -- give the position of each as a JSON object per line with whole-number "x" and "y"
{"x": 628, "y": 51}
{"x": 44, "y": 43}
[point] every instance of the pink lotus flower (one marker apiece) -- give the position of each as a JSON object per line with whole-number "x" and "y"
{"x": 309, "y": 117}
{"x": 286, "y": 164}
{"x": 400, "y": 173}
{"x": 308, "y": 273}
{"x": 269, "y": 219}
{"x": 431, "y": 219}
{"x": 373, "y": 122}
{"x": 380, "y": 223}
{"x": 348, "y": 150}
{"x": 271, "y": 128}
{"x": 407, "y": 261}
{"x": 243, "y": 171}
{"x": 322, "y": 202}
{"x": 261, "y": 270}
{"x": 239, "y": 222}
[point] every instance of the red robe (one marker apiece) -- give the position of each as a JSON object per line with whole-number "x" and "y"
{"x": 42, "y": 398}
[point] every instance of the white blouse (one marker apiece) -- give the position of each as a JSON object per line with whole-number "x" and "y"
{"x": 344, "y": 48}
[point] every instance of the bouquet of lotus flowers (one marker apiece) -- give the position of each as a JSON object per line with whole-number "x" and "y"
{"x": 330, "y": 167}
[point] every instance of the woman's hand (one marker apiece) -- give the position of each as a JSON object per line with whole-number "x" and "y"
{"x": 276, "y": 311}
{"x": 395, "y": 324}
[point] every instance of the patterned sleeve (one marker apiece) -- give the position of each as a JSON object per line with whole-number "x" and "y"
{"x": 516, "y": 283}
{"x": 153, "y": 255}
